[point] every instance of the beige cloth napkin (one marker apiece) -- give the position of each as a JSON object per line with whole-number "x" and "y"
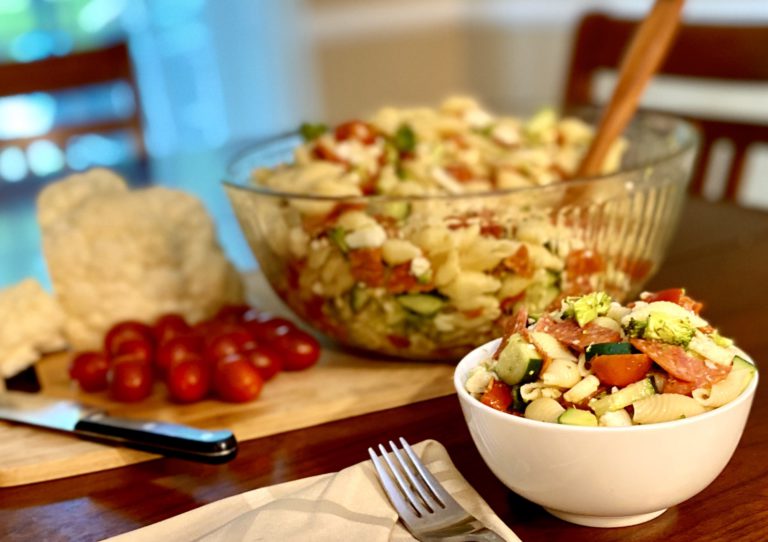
{"x": 347, "y": 505}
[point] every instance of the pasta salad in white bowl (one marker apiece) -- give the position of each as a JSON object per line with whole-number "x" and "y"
{"x": 415, "y": 232}
{"x": 608, "y": 414}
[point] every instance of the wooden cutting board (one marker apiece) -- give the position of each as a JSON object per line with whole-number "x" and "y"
{"x": 343, "y": 384}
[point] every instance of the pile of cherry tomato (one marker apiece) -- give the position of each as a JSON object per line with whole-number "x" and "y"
{"x": 229, "y": 356}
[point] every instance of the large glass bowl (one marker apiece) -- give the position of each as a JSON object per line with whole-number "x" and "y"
{"x": 606, "y": 233}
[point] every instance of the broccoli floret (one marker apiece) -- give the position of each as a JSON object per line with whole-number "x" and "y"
{"x": 587, "y": 307}
{"x": 668, "y": 329}
{"x": 635, "y": 328}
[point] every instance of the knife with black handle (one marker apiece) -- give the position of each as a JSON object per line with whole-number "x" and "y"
{"x": 169, "y": 439}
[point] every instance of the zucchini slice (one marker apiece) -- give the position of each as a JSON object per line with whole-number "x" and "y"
{"x": 603, "y": 349}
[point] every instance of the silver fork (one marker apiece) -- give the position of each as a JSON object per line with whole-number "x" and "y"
{"x": 425, "y": 507}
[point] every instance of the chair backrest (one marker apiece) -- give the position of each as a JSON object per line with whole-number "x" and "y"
{"x": 713, "y": 52}
{"x": 77, "y": 70}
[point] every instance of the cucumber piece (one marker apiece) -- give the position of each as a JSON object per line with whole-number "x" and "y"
{"x": 338, "y": 237}
{"x": 603, "y": 349}
{"x": 623, "y": 398}
{"x": 518, "y": 404}
{"x": 423, "y": 304}
{"x": 576, "y": 416}
{"x": 358, "y": 298}
{"x": 519, "y": 362}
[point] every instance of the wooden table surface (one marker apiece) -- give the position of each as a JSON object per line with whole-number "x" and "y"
{"x": 720, "y": 255}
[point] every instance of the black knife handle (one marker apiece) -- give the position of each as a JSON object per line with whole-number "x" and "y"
{"x": 160, "y": 437}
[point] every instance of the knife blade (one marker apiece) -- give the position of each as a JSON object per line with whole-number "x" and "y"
{"x": 164, "y": 438}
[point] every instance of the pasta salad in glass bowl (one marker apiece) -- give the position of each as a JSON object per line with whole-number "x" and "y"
{"x": 607, "y": 414}
{"x": 416, "y": 232}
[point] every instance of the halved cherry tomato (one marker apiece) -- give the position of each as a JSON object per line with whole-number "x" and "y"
{"x": 189, "y": 380}
{"x": 237, "y": 380}
{"x": 497, "y": 395}
{"x": 129, "y": 380}
{"x": 90, "y": 369}
{"x": 177, "y": 350}
{"x": 169, "y": 326}
{"x": 126, "y": 331}
{"x": 620, "y": 369}
{"x": 298, "y": 350}
{"x": 138, "y": 349}
{"x": 266, "y": 361}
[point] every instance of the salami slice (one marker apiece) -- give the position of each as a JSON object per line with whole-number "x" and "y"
{"x": 594, "y": 333}
{"x": 681, "y": 365}
{"x": 514, "y": 324}
{"x": 569, "y": 333}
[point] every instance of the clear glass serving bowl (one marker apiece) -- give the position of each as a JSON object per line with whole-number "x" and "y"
{"x": 603, "y": 233}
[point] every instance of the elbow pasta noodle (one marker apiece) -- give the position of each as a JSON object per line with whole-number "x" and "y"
{"x": 724, "y": 391}
{"x": 562, "y": 373}
{"x": 586, "y": 387}
{"x": 665, "y": 407}
{"x": 544, "y": 409}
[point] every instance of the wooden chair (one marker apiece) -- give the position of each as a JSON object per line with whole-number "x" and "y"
{"x": 53, "y": 74}
{"x": 714, "y": 52}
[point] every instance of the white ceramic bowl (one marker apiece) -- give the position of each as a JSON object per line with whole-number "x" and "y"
{"x": 602, "y": 476}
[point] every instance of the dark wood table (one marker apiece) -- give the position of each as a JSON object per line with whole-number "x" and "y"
{"x": 720, "y": 254}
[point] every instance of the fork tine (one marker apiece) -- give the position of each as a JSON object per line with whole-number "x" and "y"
{"x": 429, "y": 498}
{"x": 405, "y": 488}
{"x": 405, "y": 509}
{"x": 444, "y": 498}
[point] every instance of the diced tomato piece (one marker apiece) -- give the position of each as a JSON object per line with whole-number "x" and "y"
{"x": 678, "y": 363}
{"x": 366, "y": 266}
{"x": 636, "y": 269}
{"x": 460, "y": 172}
{"x": 473, "y": 313}
{"x": 399, "y": 279}
{"x": 497, "y": 395}
{"x": 399, "y": 341}
{"x": 356, "y": 129}
{"x": 582, "y": 262}
{"x": 519, "y": 262}
{"x": 621, "y": 369}
{"x": 674, "y": 295}
{"x": 670, "y": 294}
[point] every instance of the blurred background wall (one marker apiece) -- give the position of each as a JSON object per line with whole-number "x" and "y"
{"x": 215, "y": 75}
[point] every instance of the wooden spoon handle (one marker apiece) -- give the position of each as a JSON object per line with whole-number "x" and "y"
{"x": 648, "y": 48}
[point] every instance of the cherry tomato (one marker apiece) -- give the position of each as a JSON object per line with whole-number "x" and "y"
{"x": 620, "y": 369}
{"x": 227, "y": 344}
{"x": 297, "y": 349}
{"x": 137, "y": 349}
{"x": 231, "y": 313}
{"x": 129, "y": 380}
{"x": 126, "y": 331}
{"x": 90, "y": 369}
{"x": 169, "y": 326}
{"x": 266, "y": 360}
{"x": 237, "y": 380}
{"x": 177, "y": 350}
{"x": 189, "y": 380}
{"x": 267, "y": 331}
